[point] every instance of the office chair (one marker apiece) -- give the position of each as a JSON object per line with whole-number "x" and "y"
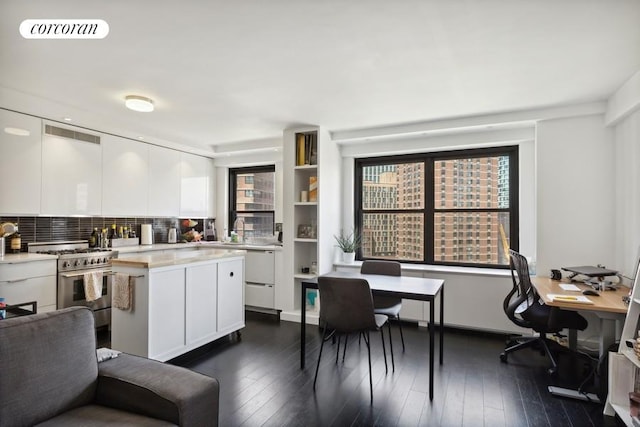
{"x": 389, "y": 306}
{"x": 347, "y": 307}
{"x": 523, "y": 307}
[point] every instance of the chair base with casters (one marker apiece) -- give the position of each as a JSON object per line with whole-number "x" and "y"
{"x": 542, "y": 341}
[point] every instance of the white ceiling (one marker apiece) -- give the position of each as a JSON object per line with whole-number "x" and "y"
{"x": 238, "y": 71}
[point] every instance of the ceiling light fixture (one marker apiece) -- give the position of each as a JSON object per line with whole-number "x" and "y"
{"x": 138, "y": 103}
{"x": 17, "y": 131}
{"x": 67, "y": 119}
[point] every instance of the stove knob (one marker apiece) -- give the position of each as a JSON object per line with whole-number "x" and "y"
{"x": 104, "y": 260}
{"x": 93, "y": 261}
{"x": 77, "y": 263}
{"x": 86, "y": 262}
{"x": 65, "y": 264}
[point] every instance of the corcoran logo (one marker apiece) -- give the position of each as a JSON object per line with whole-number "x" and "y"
{"x": 64, "y": 29}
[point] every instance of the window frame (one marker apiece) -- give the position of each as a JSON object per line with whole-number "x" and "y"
{"x": 233, "y": 184}
{"x": 429, "y": 209}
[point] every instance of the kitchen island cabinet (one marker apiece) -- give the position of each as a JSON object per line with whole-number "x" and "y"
{"x": 181, "y": 301}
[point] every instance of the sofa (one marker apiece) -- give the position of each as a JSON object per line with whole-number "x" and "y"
{"x": 50, "y": 376}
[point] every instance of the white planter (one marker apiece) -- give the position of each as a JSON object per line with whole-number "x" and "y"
{"x": 348, "y": 257}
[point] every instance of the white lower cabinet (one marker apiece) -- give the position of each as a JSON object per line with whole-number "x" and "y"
{"x": 260, "y": 279}
{"x": 29, "y": 281}
{"x": 201, "y": 303}
{"x": 230, "y": 295}
{"x": 179, "y": 308}
{"x": 166, "y": 312}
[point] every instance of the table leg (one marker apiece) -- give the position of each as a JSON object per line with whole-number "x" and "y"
{"x": 607, "y": 334}
{"x": 441, "y": 323}
{"x": 303, "y": 324}
{"x": 431, "y": 344}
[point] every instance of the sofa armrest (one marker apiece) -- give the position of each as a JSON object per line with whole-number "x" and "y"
{"x": 158, "y": 390}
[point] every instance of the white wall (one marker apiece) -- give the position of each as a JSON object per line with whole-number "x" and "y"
{"x": 575, "y": 193}
{"x": 627, "y": 191}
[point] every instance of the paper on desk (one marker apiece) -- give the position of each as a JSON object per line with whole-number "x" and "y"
{"x": 569, "y": 287}
{"x": 578, "y": 299}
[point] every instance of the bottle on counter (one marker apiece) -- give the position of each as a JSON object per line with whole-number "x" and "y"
{"x": 93, "y": 239}
{"x": 132, "y": 232}
{"x": 104, "y": 239}
{"x": 120, "y": 232}
{"x": 114, "y": 232}
{"x": 16, "y": 242}
{"x": 125, "y": 233}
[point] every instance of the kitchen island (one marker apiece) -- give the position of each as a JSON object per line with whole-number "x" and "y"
{"x": 181, "y": 301}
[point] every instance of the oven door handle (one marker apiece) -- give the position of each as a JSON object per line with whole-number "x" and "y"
{"x": 72, "y": 275}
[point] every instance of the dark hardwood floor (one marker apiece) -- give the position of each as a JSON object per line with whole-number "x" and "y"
{"x": 261, "y": 382}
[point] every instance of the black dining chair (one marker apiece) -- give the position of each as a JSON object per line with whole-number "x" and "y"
{"x": 347, "y": 308}
{"x": 523, "y": 307}
{"x": 387, "y": 305}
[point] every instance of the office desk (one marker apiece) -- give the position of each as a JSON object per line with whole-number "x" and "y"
{"x": 416, "y": 288}
{"x": 608, "y": 306}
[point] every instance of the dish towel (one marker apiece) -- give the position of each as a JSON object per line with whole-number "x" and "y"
{"x": 104, "y": 353}
{"x": 93, "y": 285}
{"x": 123, "y": 292}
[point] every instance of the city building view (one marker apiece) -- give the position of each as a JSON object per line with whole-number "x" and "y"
{"x": 469, "y": 222}
{"x": 254, "y": 204}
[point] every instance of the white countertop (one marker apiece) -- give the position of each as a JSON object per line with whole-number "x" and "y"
{"x": 165, "y": 259}
{"x": 126, "y": 250}
{"x": 25, "y": 257}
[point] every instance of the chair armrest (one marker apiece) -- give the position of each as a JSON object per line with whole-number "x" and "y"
{"x": 158, "y": 390}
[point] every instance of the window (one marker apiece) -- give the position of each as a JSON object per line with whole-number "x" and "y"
{"x": 251, "y": 200}
{"x": 411, "y": 230}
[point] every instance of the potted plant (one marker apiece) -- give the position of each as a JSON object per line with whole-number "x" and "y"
{"x": 349, "y": 244}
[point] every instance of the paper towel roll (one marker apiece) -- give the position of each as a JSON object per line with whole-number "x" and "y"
{"x": 146, "y": 234}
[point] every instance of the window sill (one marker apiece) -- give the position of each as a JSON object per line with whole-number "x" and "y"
{"x": 440, "y": 269}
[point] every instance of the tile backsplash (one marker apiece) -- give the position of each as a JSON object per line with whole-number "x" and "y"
{"x": 50, "y": 229}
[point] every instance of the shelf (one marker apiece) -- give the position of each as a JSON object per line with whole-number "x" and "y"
{"x": 301, "y": 240}
{"x": 623, "y": 412}
{"x": 304, "y": 276}
{"x": 631, "y": 356}
{"x": 302, "y": 167}
{"x": 305, "y": 203}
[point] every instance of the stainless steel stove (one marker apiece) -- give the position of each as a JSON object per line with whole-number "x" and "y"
{"x": 75, "y": 260}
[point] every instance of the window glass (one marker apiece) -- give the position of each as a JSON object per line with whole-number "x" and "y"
{"x": 462, "y": 212}
{"x": 252, "y": 201}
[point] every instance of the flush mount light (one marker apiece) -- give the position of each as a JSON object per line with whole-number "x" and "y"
{"x": 138, "y": 103}
{"x": 67, "y": 119}
{"x": 17, "y": 131}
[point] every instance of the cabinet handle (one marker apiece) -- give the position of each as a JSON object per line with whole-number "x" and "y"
{"x": 16, "y": 280}
{"x": 231, "y": 274}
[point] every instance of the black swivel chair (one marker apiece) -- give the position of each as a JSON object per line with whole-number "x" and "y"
{"x": 389, "y": 306}
{"x": 347, "y": 307}
{"x": 522, "y": 306}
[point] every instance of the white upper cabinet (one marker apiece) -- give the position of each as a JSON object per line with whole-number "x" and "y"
{"x": 125, "y": 177}
{"x": 164, "y": 181}
{"x": 71, "y": 172}
{"x": 20, "y": 163}
{"x": 196, "y": 186}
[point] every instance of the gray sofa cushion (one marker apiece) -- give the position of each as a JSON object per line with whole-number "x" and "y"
{"x": 153, "y": 388}
{"x": 48, "y": 365}
{"x": 96, "y": 416}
